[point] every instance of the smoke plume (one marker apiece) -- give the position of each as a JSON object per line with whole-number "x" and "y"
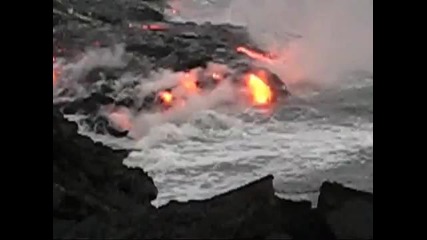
{"x": 69, "y": 74}
{"x": 140, "y": 123}
{"x": 336, "y": 35}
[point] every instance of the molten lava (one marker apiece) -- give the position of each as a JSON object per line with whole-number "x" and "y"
{"x": 259, "y": 90}
{"x": 54, "y": 78}
{"x": 187, "y": 87}
{"x": 216, "y": 76}
{"x": 155, "y": 27}
{"x": 265, "y": 57}
{"x": 55, "y": 71}
{"x": 189, "y": 83}
{"x": 166, "y": 97}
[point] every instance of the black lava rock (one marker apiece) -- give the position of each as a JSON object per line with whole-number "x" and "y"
{"x": 100, "y": 124}
{"x": 96, "y": 196}
{"x": 90, "y": 183}
{"x": 348, "y": 212}
{"x": 88, "y": 105}
{"x": 112, "y": 12}
{"x": 152, "y": 50}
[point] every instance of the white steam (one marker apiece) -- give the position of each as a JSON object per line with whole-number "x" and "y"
{"x": 102, "y": 57}
{"x": 139, "y": 124}
{"x": 337, "y": 35}
{"x": 145, "y": 121}
{"x": 71, "y": 80}
{"x": 70, "y": 74}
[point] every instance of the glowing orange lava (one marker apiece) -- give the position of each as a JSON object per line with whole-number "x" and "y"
{"x": 216, "y": 76}
{"x": 54, "y": 78}
{"x": 166, "y": 97}
{"x": 189, "y": 83}
{"x": 259, "y": 91}
{"x": 55, "y": 72}
{"x": 255, "y": 55}
{"x": 154, "y": 27}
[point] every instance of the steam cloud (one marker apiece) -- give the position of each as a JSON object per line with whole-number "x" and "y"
{"x": 143, "y": 121}
{"x": 71, "y": 72}
{"x": 138, "y": 123}
{"x": 337, "y": 35}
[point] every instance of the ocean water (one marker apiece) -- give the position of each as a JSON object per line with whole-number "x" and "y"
{"x": 314, "y": 136}
{"x": 327, "y": 136}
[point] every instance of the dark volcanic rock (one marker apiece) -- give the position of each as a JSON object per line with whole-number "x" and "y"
{"x": 348, "y": 212}
{"x": 113, "y": 12}
{"x": 126, "y": 102}
{"x": 96, "y": 196}
{"x": 187, "y": 62}
{"x": 310, "y": 225}
{"x": 90, "y": 183}
{"x": 248, "y": 212}
{"x": 152, "y": 50}
{"x": 88, "y": 105}
{"x": 101, "y": 125}
{"x": 93, "y": 164}
{"x": 102, "y": 73}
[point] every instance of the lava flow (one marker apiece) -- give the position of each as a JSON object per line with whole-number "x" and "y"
{"x": 189, "y": 83}
{"x": 259, "y": 90}
{"x": 54, "y": 78}
{"x": 166, "y": 97}
{"x": 155, "y": 27}
{"x": 188, "y": 87}
{"x": 255, "y": 85}
{"x": 265, "y": 57}
{"x": 217, "y": 76}
{"x": 55, "y": 72}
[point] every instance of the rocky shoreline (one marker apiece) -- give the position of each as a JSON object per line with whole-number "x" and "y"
{"x": 96, "y": 196}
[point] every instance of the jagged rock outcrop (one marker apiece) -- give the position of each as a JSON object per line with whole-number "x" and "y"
{"x": 90, "y": 181}
{"x": 96, "y": 196}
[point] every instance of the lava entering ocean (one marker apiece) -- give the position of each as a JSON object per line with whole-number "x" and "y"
{"x": 183, "y": 92}
{"x": 256, "y": 84}
{"x": 256, "y": 55}
{"x": 259, "y": 90}
{"x": 55, "y": 72}
{"x": 254, "y": 87}
{"x": 166, "y": 97}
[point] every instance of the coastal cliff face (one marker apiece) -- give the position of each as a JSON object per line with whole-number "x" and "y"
{"x": 96, "y": 196}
